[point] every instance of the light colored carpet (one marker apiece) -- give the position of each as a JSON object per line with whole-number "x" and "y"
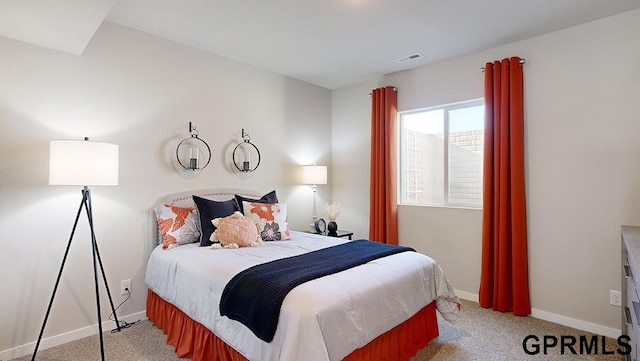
{"x": 479, "y": 334}
{"x": 482, "y": 334}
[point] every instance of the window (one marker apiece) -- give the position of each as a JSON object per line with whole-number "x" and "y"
{"x": 441, "y": 155}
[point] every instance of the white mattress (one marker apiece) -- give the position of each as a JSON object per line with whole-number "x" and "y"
{"x": 324, "y": 319}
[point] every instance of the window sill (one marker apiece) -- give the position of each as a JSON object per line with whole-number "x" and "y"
{"x": 473, "y": 208}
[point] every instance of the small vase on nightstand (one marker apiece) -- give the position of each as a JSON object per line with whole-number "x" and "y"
{"x": 332, "y": 227}
{"x": 333, "y": 210}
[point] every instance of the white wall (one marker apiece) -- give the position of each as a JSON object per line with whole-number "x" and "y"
{"x": 582, "y": 87}
{"x": 140, "y": 92}
{"x": 351, "y": 140}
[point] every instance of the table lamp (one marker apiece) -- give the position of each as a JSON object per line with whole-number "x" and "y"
{"x": 314, "y": 175}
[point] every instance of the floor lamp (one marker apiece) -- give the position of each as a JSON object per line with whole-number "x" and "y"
{"x": 314, "y": 175}
{"x": 83, "y": 163}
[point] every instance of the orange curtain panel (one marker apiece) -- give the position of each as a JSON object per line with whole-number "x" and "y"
{"x": 504, "y": 282}
{"x": 383, "y": 207}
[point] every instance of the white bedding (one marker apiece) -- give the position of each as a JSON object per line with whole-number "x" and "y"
{"x": 324, "y": 319}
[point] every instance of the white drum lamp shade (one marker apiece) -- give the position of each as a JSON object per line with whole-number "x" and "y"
{"x": 314, "y": 174}
{"x": 83, "y": 163}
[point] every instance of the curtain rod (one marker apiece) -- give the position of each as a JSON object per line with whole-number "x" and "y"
{"x": 520, "y": 62}
{"x": 395, "y": 90}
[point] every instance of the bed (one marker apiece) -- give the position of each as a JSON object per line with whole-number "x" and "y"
{"x": 384, "y": 309}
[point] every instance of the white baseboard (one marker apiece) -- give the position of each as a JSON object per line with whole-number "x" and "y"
{"x": 467, "y": 296}
{"x": 63, "y": 338}
{"x": 575, "y": 323}
{"x": 559, "y": 319}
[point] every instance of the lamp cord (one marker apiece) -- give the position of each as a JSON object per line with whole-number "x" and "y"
{"x": 122, "y": 323}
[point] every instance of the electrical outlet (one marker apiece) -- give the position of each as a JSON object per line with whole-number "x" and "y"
{"x": 615, "y": 298}
{"x": 124, "y": 286}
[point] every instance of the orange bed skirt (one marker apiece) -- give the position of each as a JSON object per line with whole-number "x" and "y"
{"x": 192, "y": 340}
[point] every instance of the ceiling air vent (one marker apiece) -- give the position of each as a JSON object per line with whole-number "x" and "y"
{"x": 411, "y": 57}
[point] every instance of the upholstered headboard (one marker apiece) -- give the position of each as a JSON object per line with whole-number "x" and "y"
{"x": 185, "y": 199}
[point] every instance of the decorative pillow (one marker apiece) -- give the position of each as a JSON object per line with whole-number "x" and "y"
{"x": 272, "y": 217}
{"x": 267, "y": 198}
{"x": 235, "y": 231}
{"x": 210, "y": 210}
{"x": 177, "y": 225}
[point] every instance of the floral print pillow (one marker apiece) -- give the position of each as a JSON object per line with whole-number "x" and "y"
{"x": 177, "y": 225}
{"x": 272, "y": 216}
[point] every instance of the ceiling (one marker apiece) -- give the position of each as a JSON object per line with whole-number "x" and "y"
{"x": 330, "y": 43}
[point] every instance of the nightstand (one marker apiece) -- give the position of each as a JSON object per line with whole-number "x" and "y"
{"x": 340, "y": 234}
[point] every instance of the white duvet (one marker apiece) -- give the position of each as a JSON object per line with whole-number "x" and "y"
{"x": 324, "y": 319}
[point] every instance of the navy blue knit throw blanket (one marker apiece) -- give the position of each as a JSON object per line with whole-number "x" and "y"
{"x": 254, "y": 296}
